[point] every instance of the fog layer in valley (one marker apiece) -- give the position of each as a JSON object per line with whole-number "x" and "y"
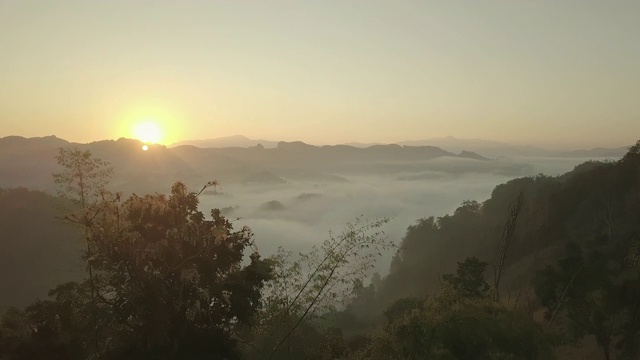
{"x": 292, "y": 195}
{"x": 298, "y": 214}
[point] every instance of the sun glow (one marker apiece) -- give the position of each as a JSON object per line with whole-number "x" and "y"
{"x": 147, "y": 132}
{"x": 150, "y": 122}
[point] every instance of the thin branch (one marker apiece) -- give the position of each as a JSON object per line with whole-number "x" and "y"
{"x": 564, "y": 293}
{"x": 508, "y": 233}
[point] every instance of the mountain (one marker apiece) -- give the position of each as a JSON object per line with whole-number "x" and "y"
{"x": 472, "y": 155}
{"x": 486, "y": 147}
{"x": 23, "y": 161}
{"x": 360, "y": 144}
{"x": 227, "y": 141}
{"x": 595, "y": 153}
{"x": 500, "y": 149}
{"x": 594, "y": 205}
{"x": 453, "y": 142}
{"x": 494, "y": 149}
{"x": 29, "y": 162}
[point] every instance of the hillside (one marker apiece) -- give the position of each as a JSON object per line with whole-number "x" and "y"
{"x": 37, "y": 251}
{"x": 595, "y": 202}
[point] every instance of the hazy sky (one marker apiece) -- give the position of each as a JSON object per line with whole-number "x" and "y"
{"x": 556, "y": 72}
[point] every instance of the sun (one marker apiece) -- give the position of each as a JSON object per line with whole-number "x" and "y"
{"x": 147, "y": 132}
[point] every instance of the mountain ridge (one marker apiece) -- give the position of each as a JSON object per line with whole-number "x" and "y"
{"x": 489, "y": 148}
{"x": 29, "y": 162}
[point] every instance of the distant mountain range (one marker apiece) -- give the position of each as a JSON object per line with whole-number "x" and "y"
{"x": 449, "y": 143}
{"x": 29, "y": 162}
{"x": 595, "y": 152}
{"x": 486, "y": 147}
{"x": 228, "y": 141}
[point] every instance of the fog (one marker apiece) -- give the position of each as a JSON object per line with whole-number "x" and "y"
{"x": 299, "y": 214}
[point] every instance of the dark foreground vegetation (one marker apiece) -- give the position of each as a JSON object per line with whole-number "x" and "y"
{"x": 544, "y": 263}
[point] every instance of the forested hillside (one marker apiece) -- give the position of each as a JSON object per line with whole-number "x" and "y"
{"x": 37, "y": 251}
{"x": 574, "y": 253}
{"x": 593, "y": 200}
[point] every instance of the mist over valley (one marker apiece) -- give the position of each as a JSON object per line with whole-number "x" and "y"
{"x": 293, "y": 194}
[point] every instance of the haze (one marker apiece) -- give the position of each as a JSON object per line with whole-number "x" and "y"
{"x": 336, "y": 179}
{"x": 548, "y": 73}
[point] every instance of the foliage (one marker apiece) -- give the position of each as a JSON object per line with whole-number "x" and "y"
{"x": 448, "y": 327}
{"x": 51, "y": 329}
{"x": 598, "y": 199}
{"x": 172, "y": 279}
{"x": 83, "y": 178}
{"x": 167, "y": 282}
{"x": 468, "y": 280}
{"x": 462, "y": 322}
{"x": 82, "y": 181}
{"x": 588, "y": 288}
{"x": 313, "y": 284}
{"x": 506, "y": 240}
{"x": 402, "y": 307}
{"x": 595, "y": 288}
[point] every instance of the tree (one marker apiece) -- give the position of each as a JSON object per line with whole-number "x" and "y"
{"x": 174, "y": 282}
{"x": 306, "y": 287}
{"x": 582, "y": 286}
{"x": 462, "y": 322}
{"x": 168, "y": 284}
{"x": 401, "y": 308}
{"x": 469, "y": 278}
{"x": 83, "y": 180}
{"x": 449, "y": 327}
{"x": 60, "y": 328}
{"x": 164, "y": 281}
{"x": 215, "y": 185}
{"x": 508, "y": 234}
{"x": 634, "y": 153}
{"x": 631, "y": 289}
{"x": 13, "y": 334}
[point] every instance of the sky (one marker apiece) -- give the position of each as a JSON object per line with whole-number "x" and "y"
{"x": 551, "y": 73}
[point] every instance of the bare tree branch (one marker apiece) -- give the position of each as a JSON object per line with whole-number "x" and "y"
{"x": 506, "y": 239}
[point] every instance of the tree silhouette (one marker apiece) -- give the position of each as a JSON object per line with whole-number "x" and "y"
{"x": 83, "y": 180}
